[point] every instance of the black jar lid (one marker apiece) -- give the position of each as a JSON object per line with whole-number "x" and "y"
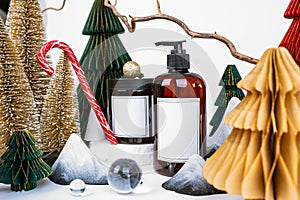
{"x": 130, "y": 84}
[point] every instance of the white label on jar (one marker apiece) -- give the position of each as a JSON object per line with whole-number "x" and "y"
{"x": 178, "y": 128}
{"x": 130, "y": 116}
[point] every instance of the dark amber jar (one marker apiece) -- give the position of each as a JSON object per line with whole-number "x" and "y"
{"x": 180, "y": 119}
{"x": 130, "y": 111}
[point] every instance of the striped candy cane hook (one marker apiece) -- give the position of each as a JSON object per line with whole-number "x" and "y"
{"x": 83, "y": 82}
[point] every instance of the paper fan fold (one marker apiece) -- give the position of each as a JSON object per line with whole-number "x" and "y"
{"x": 260, "y": 157}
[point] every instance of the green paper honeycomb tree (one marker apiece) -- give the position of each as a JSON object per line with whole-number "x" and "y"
{"x": 23, "y": 165}
{"x": 103, "y": 57}
{"x": 229, "y": 81}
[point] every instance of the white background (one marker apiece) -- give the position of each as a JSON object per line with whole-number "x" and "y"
{"x": 253, "y": 26}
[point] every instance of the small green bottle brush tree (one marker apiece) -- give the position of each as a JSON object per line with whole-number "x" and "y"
{"x": 229, "y": 82}
{"x": 23, "y": 165}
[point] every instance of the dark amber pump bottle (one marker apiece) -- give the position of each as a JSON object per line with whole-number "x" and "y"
{"x": 180, "y": 113}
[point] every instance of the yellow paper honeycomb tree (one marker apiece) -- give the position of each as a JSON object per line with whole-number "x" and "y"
{"x": 260, "y": 158}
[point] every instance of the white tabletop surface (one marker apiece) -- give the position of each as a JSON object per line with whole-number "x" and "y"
{"x": 149, "y": 189}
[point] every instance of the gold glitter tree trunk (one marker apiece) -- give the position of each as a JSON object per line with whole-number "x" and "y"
{"x": 58, "y": 119}
{"x": 26, "y": 29}
{"x": 16, "y": 98}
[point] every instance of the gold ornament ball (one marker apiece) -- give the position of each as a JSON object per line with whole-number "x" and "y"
{"x": 132, "y": 69}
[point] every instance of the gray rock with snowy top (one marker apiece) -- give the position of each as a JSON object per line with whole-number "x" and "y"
{"x": 189, "y": 179}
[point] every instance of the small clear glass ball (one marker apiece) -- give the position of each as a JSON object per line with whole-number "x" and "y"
{"x": 77, "y": 187}
{"x": 124, "y": 175}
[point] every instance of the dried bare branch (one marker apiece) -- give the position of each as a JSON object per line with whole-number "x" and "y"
{"x": 158, "y": 7}
{"x": 56, "y": 9}
{"x": 132, "y": 25}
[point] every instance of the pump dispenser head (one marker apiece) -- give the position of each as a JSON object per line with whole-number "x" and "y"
{"x": 178, "y": 59}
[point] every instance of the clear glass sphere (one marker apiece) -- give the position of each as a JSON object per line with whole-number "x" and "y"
{"x": 77, "y": 187}
{"x": 124, "y": 175}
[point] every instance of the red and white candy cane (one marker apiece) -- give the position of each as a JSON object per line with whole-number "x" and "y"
{"x": 83, "y": 82}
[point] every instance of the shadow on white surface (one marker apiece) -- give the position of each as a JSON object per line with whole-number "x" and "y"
{"x": 149, "y": 190}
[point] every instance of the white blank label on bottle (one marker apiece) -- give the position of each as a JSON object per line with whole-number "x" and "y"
{"x": 178, "y": 128}
{"x": 130, "y": 116}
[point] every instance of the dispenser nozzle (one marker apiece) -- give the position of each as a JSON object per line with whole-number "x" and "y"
{"x": 178, "y": 59}
{"x": 176, "y": 44}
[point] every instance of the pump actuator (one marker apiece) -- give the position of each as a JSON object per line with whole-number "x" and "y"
{"x": 178, "y": 59}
